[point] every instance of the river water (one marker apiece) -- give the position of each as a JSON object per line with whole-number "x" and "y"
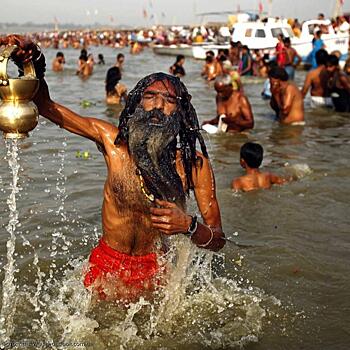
{"x": 286, "y": 287}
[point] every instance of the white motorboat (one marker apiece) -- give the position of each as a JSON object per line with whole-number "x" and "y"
{"x": 263, "y": 36}
{"x": 332, "y": 40}
{"x": 256, "y": 35}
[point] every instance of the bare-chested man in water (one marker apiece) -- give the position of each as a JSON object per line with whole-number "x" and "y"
{"x": 287, "y": 100}
{"x": 317, "y": 80}
{"x": 58, "y": 62}
{"x": 212, "y": 67}
{"x": 233, "y": 107}
{"x": 251, "y": 157}
{"x": 147, "y": 183}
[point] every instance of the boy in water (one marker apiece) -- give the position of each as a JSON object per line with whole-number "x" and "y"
{"x": 251, "y": 157}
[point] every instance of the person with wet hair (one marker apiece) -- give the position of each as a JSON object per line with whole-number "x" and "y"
{"x": 177, "y": 68}
{"x": 115, "y": 90}
{"x": 101, "y": 59}
{"x": 317, "y": 82}
{"x": 58, "y": 62}
{"x": 149, "y": 179}
{"x": 212, "y": 67}
{"x": 251, "y": 157}
{"x": 338, "y": 84}
{"x": 286, "y": 100}
{"x": 82, "y": 64}
{"x": 234, "y": 112}
{"x": 120, "y": 61}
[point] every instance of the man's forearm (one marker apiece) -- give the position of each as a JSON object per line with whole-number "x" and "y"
{"x": 208, "y": 237}
{"x": 51, "y": 111}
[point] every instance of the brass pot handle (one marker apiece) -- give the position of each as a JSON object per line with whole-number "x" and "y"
{"x": 5, "y": 55}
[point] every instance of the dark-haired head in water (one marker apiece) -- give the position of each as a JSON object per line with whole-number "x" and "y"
{"x": 115, "y": 91}
{"x": 338, "y": 85}
{"x": 58, "y": 62}
{"x": 177, "y": 68}
{"x": 251, "y": 156}
{"x": 101, "y": 59}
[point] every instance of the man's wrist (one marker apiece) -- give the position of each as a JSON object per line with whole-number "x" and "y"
{"x": 192, "y": 226}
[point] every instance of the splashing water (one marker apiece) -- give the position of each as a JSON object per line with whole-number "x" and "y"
{"x": 299, "y": 170}
{"x": 8, "y": 285}
{"x": 195, "y": 309}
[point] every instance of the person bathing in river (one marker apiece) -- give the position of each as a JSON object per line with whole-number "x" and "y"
{"x": 287, "y": 100}
{"x": 234, "y": 112}
{"x": 212, "y": 67}
{"x": 58, "y": 62}
{"x": 115, "y": 91}
{"x": 177, "y": 69}
{"x": 317, "y": 82}
{"x": 293, "y": 59}
{"x": 148, "y": 180}
{"x": 251, "y": 157}
{"x": 338, "y": 84}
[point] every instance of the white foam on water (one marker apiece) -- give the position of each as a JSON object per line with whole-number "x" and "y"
{"x": 299, "y": 170}
{"x": 8, "y": 285}
{"x": 195, "y": 308}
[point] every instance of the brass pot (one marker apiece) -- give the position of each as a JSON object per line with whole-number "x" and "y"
{"x": 18, "y": 114}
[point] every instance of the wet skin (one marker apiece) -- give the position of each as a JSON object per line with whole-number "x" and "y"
{"x": 316, "y": 80}
{"x": 254, "y": 179}
{"x": 235, "y": 106}
{"x": 131, "y": 223}
{"x": 287, "y": 101}
{"x": 135, "y": 225}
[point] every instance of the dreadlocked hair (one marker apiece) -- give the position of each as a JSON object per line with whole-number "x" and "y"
{"x": 189, "y": 126}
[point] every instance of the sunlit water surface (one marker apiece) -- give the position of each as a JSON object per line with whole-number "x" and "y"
{"x": 286, "y": 288}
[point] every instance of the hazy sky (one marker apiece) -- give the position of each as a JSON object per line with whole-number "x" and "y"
{"x": 164, "y": 11}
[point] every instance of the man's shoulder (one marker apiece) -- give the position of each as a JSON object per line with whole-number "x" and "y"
{"x": 242, "y": 97}
{"x": 106, "y": 129}
{"x": 292, "y": 87}
{"x": 313, "y": 73}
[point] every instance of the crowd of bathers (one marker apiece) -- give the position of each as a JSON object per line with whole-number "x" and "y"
{"x": 329, "y": 85}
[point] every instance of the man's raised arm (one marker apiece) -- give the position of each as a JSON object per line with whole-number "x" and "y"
{"x": 91, "y": 128}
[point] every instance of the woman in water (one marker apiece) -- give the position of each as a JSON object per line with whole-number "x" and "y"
{"x": 115, "y": 91}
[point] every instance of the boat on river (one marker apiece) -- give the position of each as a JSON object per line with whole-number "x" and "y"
{"x": 333, "y": 41}
{"x": 173, "y": 50}
{"x": 263, "y": 36}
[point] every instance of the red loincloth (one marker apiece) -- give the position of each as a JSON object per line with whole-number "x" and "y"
{"x": 116, "y": 275}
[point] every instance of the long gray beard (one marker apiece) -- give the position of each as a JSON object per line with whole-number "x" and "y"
{"x": 152, "y": 143}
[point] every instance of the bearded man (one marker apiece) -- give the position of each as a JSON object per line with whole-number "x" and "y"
{"x": 148, "y": 180}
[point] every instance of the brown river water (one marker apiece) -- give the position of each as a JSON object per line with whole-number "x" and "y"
{"x": 287, "y": 286}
